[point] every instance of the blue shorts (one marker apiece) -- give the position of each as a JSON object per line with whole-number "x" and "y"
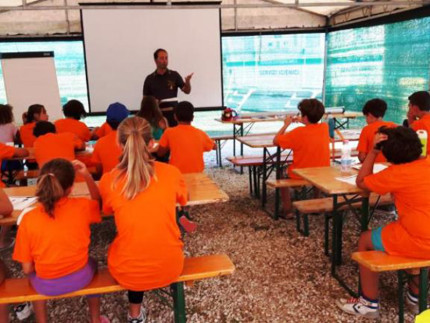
{"x": 377, "y": 239}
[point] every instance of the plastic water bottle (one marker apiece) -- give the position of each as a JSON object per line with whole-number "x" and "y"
{"x": 422, "y": 134}
{"x": 345, "y": 160}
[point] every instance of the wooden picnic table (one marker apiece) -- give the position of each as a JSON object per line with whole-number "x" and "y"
{"x": 250, "y": 119}
{"x": 201, "y": 188}
{"x": 272, "y": 160}
{"x": 78, "y": 153}
{"x": 326, "y": 180}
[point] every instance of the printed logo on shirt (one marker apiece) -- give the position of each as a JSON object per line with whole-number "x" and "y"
{"x": 170, "y": 85}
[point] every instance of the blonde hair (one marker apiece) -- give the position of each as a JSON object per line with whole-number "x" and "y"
{"x": 136, "y": 162}
{"x": 56, "y": 176}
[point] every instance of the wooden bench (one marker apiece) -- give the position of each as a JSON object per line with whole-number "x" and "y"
{"x": 219, "y": 144}
{"x": 18, "y": 290}
{"x": 378, "y": 261}
{"x": 325, "y": 205}
{"x": 285, "y": 183}
{"x": 253, "y": 162}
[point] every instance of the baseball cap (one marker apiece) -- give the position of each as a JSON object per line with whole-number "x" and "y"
{"x": 117, "y": 112}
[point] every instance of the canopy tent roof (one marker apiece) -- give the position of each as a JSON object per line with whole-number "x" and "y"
{"x": 62, "y": 17}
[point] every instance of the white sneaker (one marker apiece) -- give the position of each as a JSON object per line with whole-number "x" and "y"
{"x": 140, "y": 319}
{"x": 359, "y": 307}
{"x": 23, "y": 310}
{"x": 412, "y": 303}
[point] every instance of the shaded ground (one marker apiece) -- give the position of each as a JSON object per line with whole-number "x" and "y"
{"x": 280, "y": 275}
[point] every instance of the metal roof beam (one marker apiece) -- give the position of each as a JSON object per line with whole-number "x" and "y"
{"x": 226, "y": 6}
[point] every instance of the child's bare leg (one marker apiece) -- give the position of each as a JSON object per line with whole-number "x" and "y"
{"x": 4, "y": 234}
{"x": 368, "y": 280}
{"x": 317, "y": 193}
{"x": 286, "y": 200}
{"x": 134, "y": 309}
{"x": 94, "y": 305}
{"x": 413, "y": 284}
{"x": 40, "y": 311}
{"x": 4, "y": 311}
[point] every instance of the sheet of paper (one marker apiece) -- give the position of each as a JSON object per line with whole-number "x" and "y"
{"x": 21, "y": 203}
{"x": 376, "y": 167}
{"x": 348, "y": 179}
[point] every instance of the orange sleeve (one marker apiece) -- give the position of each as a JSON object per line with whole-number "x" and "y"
{"x": 22, "y": 250}
{"x": 383, "y": 182}
{"x": 93, "y": 211}
{"x": 77, "y": 143}
{"x": 288, "y": 139}
{"x": 164, "y": 140}
{"x": 105, "y": 188}
{"x": 99, "y": 132}
{"x": 181, "y": 192}
{"x": 362, "y": 141}
{"x": 86, "y": 132}
{"x": 208, "y": 142}
{"x": 416, "y": 125}
{"x": 95, "y": 157}
{"x": 6, "y": 151}
{"x": 103, "y": 130}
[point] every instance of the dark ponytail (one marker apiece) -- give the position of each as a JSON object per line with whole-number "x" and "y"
{"x": 55, "y": 178}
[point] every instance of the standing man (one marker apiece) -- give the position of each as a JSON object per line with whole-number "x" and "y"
{"x": 163, "y": 84}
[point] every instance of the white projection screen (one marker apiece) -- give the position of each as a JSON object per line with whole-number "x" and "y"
{"x": 119, "y": 47}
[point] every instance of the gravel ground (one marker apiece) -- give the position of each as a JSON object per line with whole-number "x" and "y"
{"x": 280, "y": 275}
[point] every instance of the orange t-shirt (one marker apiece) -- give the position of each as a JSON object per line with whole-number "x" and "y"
{"x": 77, "y": 127}
{"x": 310, "y": 145}
{"x": 58, "y": 246}
{"x": 26, "y": 134}
{"x": 365, "y": 143}
{"x": 56, "y": 145}
{"x": 409, "y": 183}
{"x": 103, "y": 130}
{"x": 147, "y": 250}
{"x": 423, "y": 124}
{"x": 5, "y": 152}
{"x": 107, "y": 152}
{"x": 187, "y": 145}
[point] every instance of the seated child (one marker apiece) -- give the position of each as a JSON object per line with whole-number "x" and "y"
{"x": 186, "y": 145}
{"x": 55, "y": 258}
{"x": 408, "y": 179}
{"x": 8, "y": 135}
{"x": 374, "y": 111}
{"x": 8, "y": 129}
{"x": 310, "y": 144}
{"x": 8, "y": 152}
{"x": 150, "y": 111}
{"x": 142, "y": 194}
{"x": 185, "y": 142}
{"x": 23, "y": 310}
{"x": 105, "y": 129}
{"x": 419, "y": 113}
{"x": 35, "y": 113}
{"x": 73, "y": 111}
{"x": 107, "y": 151}
{"x": 50, "y": 145}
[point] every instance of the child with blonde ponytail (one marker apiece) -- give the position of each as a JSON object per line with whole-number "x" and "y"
{"x": 143, "y": 194}
{"x": 53, "y": 238}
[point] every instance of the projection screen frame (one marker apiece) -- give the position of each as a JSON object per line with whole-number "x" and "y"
{"x": 153, "y": 4}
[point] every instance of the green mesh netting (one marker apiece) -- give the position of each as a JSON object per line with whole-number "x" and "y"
{"x": 389, "y": 61}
